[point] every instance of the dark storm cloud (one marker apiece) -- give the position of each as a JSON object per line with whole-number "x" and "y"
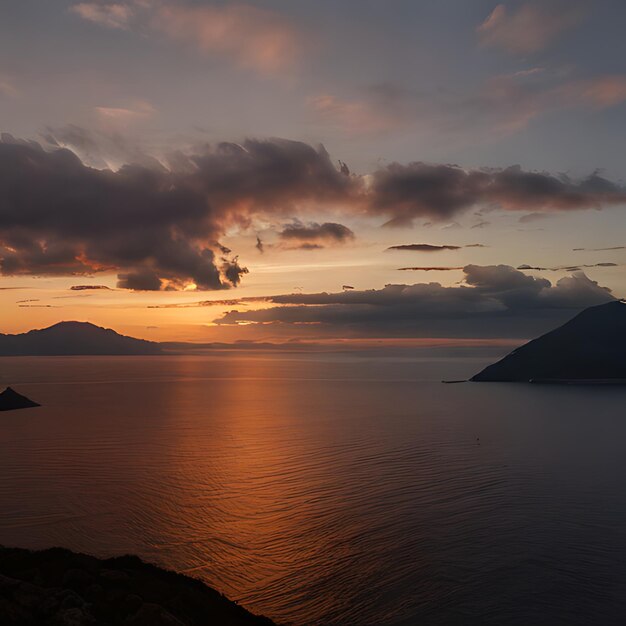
{"x": 142, "y": 280}
{"x": 157, "y": 228}
{"x": 310, "y": 236}
{"x": 233, "y": 271}
{"x": 494, "y": 300}
{"x": 405, "y": 192}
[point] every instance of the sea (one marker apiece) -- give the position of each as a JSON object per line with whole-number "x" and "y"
{"x": 329, "y": 488}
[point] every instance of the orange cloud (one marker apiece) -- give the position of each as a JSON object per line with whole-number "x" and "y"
{"x": 353, "y": 117}
{"x": 255, "y": 38}
{"x": 529, "y": 29}
{"x": 515, "y": 100}
{"x": 110, "y": 15}
{"x": 605, "y": 91}
{"x": 7, "y": 88}
{"x": 119, "y": 116}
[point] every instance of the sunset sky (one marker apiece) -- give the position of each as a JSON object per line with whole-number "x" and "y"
{"x": 279, "y": 170}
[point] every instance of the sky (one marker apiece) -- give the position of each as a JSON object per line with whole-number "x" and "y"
{"x": 314, "y": 170}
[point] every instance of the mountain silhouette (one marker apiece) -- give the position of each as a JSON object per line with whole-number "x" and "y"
{"x": 591, "y": 347}
{"x": 74, "y": 338}
{"x": 10, "y": 400}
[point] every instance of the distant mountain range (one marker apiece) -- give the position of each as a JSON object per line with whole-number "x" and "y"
{"x": 74, "y": 338}
{"x": 589, "y": 348}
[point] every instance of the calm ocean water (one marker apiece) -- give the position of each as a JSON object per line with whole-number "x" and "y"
{"x": 329, "y": 489}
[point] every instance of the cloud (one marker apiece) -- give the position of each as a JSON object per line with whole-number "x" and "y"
{"x": 567, "y": 268}
{"x": 89, "y": 287}
{"x": 500, "y": 106}
{"x": 158, "y": 225}
{"x": 232, "y": 270}
{"x": 506, "y": 104}
{"x": 141, "y": 280}
{"x": 259, "y": 245}
{"x": 159, "y": 229}
{"x": 439, "y": 192}
{"x": 209, "y": 303}
{"x": 357, "y": 116}
{"x": 423, "y": 247}
{"x": 531, "y": 27}
{"x": 120, "y": 116}
{"x": 602, "y": 92}
{"x": 600, "y": 249}
{"x": 254, "y": 38}
{"x": 428, "y": 269}
{"x": 311, "y": 235}
{"x": 532, "y": 217}
{"x": 427, "y": 247}
{"x": 251, "y": 173}
{"x": 111, "y": 15}
{"x": 8, "y": 89}
{"x": 495, "y": 299}
{"x": 111, "y": 146}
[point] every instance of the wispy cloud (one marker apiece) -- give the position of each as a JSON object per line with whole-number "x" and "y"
{"x": 423, "y": 247}
{"x": 255, "y": 38}
{"x": 355, "y": 117}
{"x": 122, "y": 116}
{"x": 111, "y": 15}
{"x": 566, "y": 268}
{"x": 529, "y": 28}
{"x": 8, "y": 88}
{"x": 600, "y": 249}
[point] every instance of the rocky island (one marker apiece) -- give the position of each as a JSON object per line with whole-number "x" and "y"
{"x": 10, "y": 400}
{"x": 57, "y": 587}
{"x": 590, "y": 348}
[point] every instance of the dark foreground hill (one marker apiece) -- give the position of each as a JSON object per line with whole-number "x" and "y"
{"x": 589, "y": 348}
{"x": 60, "y": 588}
{"x": 74, "y": 338}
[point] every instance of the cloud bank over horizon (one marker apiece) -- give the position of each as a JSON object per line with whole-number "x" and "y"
{"x": 494, "y": 301}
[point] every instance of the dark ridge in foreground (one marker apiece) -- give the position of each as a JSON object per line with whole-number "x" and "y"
{"x": 57, "y": 587}
{"x": 589, "y": 349}
{"x": 74, "y": 339}
{"x": 10, "y": 400}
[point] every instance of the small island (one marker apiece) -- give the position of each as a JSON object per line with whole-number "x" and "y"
{"x": 589, "y": 349}
{"x": 62, "y": 588}
{"x": 10, "y": 400}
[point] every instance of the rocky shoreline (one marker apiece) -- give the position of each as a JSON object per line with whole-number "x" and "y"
{"x": 57, "y": 587}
